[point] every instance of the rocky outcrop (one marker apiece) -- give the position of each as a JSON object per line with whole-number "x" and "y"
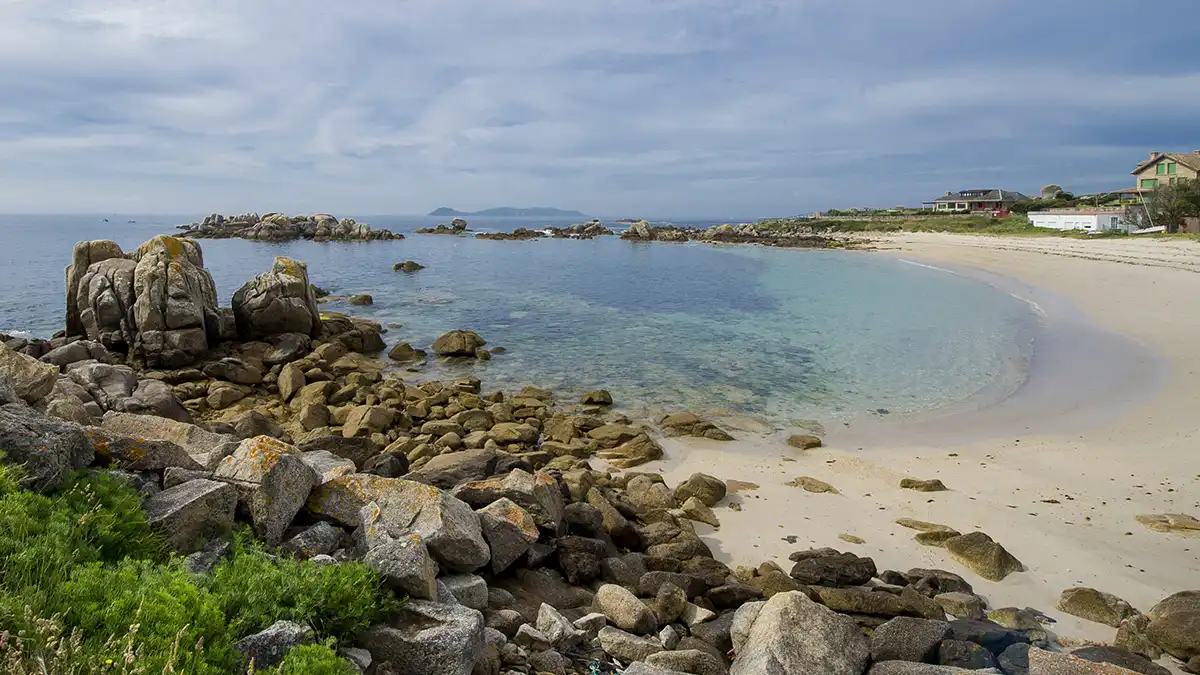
{"x": 280, "y": 227}
{"x": 175, "y": 303}
{"x": 456, "y": 227}
{"x": 158, "y": 304}
{"x": 276, "y": 302}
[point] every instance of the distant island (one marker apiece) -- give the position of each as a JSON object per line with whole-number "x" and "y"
{"x": 509, "y": 211}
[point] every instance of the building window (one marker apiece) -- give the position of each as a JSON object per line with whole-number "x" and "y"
{"x": 1161, "y": 169}
{"x": 1171, "y": 168}
{"x": 1149, "y": 182}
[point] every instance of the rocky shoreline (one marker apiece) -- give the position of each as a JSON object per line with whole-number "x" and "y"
{"x": 281, "y": 227}
{"x": 510, "y": 520}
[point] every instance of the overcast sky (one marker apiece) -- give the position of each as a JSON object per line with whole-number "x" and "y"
{"x": 612, "y": 107}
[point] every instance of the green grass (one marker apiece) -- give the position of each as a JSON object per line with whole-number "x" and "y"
{"x": 1014, "y": 225}
{"x": 86, "y": 587}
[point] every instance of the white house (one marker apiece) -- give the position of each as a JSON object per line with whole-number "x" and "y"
{"x": 1091, "y": 221}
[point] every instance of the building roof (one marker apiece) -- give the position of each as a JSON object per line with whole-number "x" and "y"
{"x": 1189, "y": 159}
{"x": 987, "y": 195}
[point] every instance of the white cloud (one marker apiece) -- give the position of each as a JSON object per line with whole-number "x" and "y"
{"x": 683, "y": 106}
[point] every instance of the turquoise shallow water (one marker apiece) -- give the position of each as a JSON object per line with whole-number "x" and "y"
{"x": 782, "y": 335}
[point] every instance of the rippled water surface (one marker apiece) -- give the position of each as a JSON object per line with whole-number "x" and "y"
{"x": 782, "y": 335}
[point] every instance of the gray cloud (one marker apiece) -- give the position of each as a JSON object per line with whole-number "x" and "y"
{"x": 616, "y": 106}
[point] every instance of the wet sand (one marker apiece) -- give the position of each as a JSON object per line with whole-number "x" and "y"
{"x": 1107, "y": 427}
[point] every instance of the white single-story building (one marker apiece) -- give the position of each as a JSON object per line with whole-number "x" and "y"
{"x": 1090, "y": 221}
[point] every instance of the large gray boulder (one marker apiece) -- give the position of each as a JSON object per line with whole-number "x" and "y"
{"x": 138, "y": 454}
{"x": 272, "y": 482}
{"x": 175, "y": 300}
{"x": 906, "y": 638}
{"x": 47, "y": 447}
{"x": 192, "y": 513}
{"x": 103, "y": 303}
{"x": 278, "y": 301}
{"x": 79, "y": 350}
{"x": 624, "y": 610}
{"x": 405, "y": 565}
{"x": 85, "y": 255}
{"x": 115, "y": 387}
{"x": 206, "y": 447}
{"x": 427, "y": 638}
{"x": 29, "y": 378}
{"x": 510, "y": 532}
{"x": 793, "y": 634}
{"x": 399, "y": 507}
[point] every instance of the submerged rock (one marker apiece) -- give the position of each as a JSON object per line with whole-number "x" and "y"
{"x": 458, "y": 343}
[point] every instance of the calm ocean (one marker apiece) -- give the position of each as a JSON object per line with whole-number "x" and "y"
{"x": 782, "y": 335}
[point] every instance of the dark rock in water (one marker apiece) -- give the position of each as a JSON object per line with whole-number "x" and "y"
{"x": 458, "y": 343}
{"x": 269, "y": 647}
{"x": 1120, "y": 657}
{"x": 405, "y": 352}
{"x": 597, "y": 397}
{"x": 828, "y": 567}
{"x": 908, "y": 639}
{"x": 407, "y": 266}
{"x": 48, "y": 448}
{"x": 361, "y": 299}
{"x": 965, "y": 655}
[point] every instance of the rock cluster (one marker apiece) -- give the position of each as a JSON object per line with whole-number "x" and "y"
{"x": 587, "y": 230}
{"x": 281, "y": 227}
{"x": 157, "y": 306}
{"x": 770, "y": 233}
{"x": 456, "y": 227}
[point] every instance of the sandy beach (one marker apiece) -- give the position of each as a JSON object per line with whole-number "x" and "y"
{"x": 1064, "y": 501}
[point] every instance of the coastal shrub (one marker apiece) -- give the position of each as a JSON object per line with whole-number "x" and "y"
{"x": 256, "y": 590}
{"x": 172, "y": 621}
{"x": 44, "y": 538}
{"x": 312, "y": 660}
